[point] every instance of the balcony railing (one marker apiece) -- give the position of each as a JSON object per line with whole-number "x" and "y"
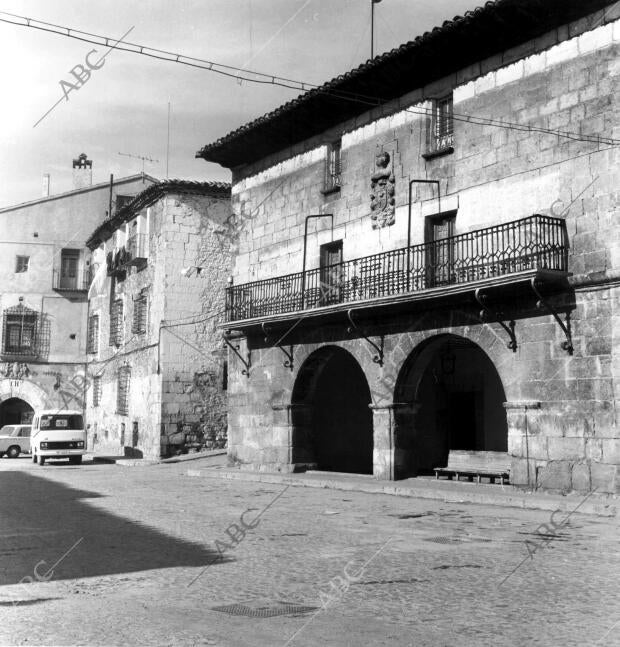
{"x": 78, "y": 281}
{"x": 536, "y": 242}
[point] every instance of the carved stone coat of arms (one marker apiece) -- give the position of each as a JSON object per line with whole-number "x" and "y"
{"x": 382, "y": 201}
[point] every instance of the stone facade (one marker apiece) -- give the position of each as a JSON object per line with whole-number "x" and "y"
{"x": 180, "y": 251}
{"x": 48, "y": 370}
{"x": 507, "y": 162}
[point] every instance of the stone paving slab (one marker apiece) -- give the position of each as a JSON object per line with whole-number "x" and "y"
{"x": 423, "y": 488}
{"x": 422, "y": 573}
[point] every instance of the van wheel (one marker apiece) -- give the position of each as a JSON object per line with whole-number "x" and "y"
{"x": 13, "y": 452}
{"x": 41, "y": 460}
{"x": 75, "y": 460}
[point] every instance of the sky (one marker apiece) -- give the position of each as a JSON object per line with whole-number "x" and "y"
{"x": 123, "y": 106}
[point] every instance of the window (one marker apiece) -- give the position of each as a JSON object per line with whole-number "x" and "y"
{"x": 21, "y": 264}
{"x": 140, "y": 312}
{"x": 69, "y": 262}
{"x": 20, "y": 331}
{"x": 92, "y": 335}
{"x": 122, "y": 391}
{"x": 96, "y": 390}
{"x": 441, "y": 136}
{"x": 333, "y": 169}
{"x": 116, "y": 323}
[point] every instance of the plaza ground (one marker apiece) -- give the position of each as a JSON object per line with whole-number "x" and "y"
{"x": 111, "y": 555}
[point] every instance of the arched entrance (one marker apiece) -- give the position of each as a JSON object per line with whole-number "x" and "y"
{"x": 15, "y": 411}
{"x": 452, "y": 398}
{"x": 332, "y": 422}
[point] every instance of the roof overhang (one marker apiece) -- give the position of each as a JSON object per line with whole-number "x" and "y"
{"x": 463, "y": 41}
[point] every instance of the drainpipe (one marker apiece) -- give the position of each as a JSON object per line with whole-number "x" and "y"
{"x": 411, "y": 183}
{"x": 303, "y": 274}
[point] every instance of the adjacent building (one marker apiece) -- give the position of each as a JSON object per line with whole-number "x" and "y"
{"x": 429, "y": 256}
{"x": 45, "y": 270}
{"x": 156, "y": 365}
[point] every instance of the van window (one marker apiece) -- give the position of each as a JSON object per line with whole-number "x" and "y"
{"x": 62, "y": 421}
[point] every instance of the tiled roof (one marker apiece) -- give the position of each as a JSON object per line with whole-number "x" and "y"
{"x": 456, "y": 44}
{"x": 148, "y": 197}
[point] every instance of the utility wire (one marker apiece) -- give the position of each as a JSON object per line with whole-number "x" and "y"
{"x": 251, "y": 76}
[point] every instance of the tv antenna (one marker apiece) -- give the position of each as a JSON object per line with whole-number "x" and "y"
{"x": 144, "y": 159}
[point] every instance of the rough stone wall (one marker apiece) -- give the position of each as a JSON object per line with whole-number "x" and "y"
{"x": 495, "y": 175}
{"x": 195, "y": 235}
{"x": 177, "y": 370}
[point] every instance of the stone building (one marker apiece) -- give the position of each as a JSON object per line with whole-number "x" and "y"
{"x": 155, "y": 361}
{"x": 45, "y": 270}
{"x": 429, "y": 256}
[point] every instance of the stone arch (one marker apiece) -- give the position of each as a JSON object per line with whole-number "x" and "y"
{"x": 331, "y": 418}
{"x": 448, "y": 395}
{"x": 25, "y": 390}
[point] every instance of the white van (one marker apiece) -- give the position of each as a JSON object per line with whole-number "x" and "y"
{"x": 58, "y": 434}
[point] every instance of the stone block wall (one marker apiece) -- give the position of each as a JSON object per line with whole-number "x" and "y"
{"x": 561, "y": 408}
{"x": 177, "y": 368}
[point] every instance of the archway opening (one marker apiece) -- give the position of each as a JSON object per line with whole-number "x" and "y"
{"x": 15, "y": 411}
{"x": 453, "y": 399}
{"x": 332, "y": 422}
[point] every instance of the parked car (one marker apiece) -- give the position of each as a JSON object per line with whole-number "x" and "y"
{"x": 15, "y": 440}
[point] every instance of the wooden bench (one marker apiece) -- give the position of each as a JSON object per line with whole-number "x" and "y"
{"x": 492, "y": 465}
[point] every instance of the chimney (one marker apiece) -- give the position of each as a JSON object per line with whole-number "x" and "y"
{"x": 82, "y": 172}
{"x": 45, "y": 189}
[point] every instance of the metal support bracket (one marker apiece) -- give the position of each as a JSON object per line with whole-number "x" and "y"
{"x": 378, "y": 358}
{"x": 235, "y": 349}
{"x": 288, "y": 362}
{"x": 486, "y": 312}
{"x": 543, "y": 304}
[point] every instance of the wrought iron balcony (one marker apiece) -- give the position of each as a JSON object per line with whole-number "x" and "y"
{"x": 533, "y": 243}
{"x": 72, "y": 281}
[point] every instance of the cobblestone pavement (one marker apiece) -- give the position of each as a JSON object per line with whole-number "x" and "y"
{"x": 111, "y": 555}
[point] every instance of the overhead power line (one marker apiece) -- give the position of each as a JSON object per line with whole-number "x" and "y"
{"x": 251, "y": 76}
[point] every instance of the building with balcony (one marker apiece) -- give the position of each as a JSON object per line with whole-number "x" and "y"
{"x": 429, "y": 257}
{"x": 157, "y": 369}
{"x": 45, "y": 270}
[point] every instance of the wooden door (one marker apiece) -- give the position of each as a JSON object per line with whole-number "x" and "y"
{"x": 440, "y": 250}
{"x": 331, "y": 273}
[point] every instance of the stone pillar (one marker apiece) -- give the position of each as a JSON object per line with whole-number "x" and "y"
{"x": 292, "y": 436}
{"x": 522, "y": 447}
{"x": 391, "y": 455}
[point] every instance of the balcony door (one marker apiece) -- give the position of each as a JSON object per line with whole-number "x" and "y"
{"x": 69, "y": 263}
{"x": 440, "y": 249}
{"x": 331, "y": 273}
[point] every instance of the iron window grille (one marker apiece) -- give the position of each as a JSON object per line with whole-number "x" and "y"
{"x": 22, "y": 264}
{"x": 20, "y": 331}
{"x": 140, "y": 313}
{"x": 122, "y": 391}
{"x": 92, "y": 335}
{"x": 333, "y": 170}
{"x": 116, "y": 323}
{"x": 442, "y": 126}
{"x": 96, "y": 390}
